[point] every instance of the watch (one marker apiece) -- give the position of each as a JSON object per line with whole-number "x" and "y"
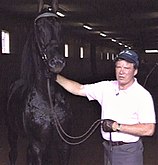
{"x": 119, "y": 127}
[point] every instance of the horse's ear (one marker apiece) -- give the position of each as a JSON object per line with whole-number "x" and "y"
{"x": 55, "y": 5}
{"x": 40, "y": 5}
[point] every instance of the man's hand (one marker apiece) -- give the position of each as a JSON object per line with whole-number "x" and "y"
{"x": 107, "y": 125}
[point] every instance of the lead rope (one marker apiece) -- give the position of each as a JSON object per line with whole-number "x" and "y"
{"x": 111, "y": 148}
{"x": 60, "y": 129}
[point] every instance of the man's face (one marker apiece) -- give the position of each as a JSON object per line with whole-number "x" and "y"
{"x": 125, "y": 73}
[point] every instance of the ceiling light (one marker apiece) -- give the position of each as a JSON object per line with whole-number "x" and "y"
{"x": 120, "y": 43}
{"x": 103, "y": 34}
{"x": 60, "y": 14}
{"x": 113, "y": 40}
{"x": 87, "y": 27}
{"x": 151, "y": 51}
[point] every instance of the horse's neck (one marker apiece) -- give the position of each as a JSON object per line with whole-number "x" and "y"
{"x": 41, "y": 82}
{"x": 42, "y": 85}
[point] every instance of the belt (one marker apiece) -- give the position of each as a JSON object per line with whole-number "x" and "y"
{"x": 117, "y": 143}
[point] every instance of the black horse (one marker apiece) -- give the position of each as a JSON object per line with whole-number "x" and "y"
{"x": 29, "y": 107}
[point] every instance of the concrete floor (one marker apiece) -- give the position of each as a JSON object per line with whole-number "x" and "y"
{"x": 88, "y": 153}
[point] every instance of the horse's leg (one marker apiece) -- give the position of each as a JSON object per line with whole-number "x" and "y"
{"x": 29, "y": 155}
{"x": 38, "y": 147}
{"x": 12, "y": 139}
{"x": 63, "y": 148}
{"x": 34, "y": 154}
{"x": 37, "y": 158}
{"x": 63, "y": 153}
{"x": 47, "y": 157}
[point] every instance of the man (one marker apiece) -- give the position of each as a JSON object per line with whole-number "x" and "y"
{"x": 127, "y": 108}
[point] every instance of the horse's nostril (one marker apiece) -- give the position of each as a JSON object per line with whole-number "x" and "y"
{"x": 53, "y": 62}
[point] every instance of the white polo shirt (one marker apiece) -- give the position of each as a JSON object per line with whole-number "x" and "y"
{"x": 131, "y": 106}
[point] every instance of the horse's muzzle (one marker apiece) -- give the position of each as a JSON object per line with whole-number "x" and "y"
{"x": 56, "y": 64}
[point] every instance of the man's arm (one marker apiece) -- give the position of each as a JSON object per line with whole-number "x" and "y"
{"x": 71, "y": 86}
{"x": 146, "y": 129}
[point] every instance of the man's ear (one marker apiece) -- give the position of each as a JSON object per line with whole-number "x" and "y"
{"x": 135, "y": 72}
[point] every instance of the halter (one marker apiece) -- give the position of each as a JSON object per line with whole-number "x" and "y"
{"x": 42, "y": 50}
{"x": 47, "y": 14}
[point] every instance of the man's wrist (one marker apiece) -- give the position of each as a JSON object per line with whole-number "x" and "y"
{"x": 119, "y": 127}
{"x": 115, "y": 126}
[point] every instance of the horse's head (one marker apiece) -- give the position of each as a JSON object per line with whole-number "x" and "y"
{"x": 47, "y": 37}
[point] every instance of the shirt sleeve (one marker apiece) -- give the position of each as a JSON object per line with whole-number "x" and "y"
{"x": 97, "y": 91}
{"x": 146, "y": 109}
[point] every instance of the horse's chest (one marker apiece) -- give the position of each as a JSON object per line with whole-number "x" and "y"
{"x": 38, "y": 109}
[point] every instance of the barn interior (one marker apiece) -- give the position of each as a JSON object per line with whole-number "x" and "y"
{"x": 114, "y": 26}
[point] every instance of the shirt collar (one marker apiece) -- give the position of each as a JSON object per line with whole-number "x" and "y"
{"x": 129, "y": 88}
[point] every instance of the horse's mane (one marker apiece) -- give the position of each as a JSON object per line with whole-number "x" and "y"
{"x": 29, "y": 61}
{"x": 27, "y": 72}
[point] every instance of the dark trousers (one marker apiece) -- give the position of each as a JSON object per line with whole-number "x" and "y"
{"x": 126, "y": 154}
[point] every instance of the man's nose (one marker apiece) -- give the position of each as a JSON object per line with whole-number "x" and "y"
{"x": 121, "y": 70}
